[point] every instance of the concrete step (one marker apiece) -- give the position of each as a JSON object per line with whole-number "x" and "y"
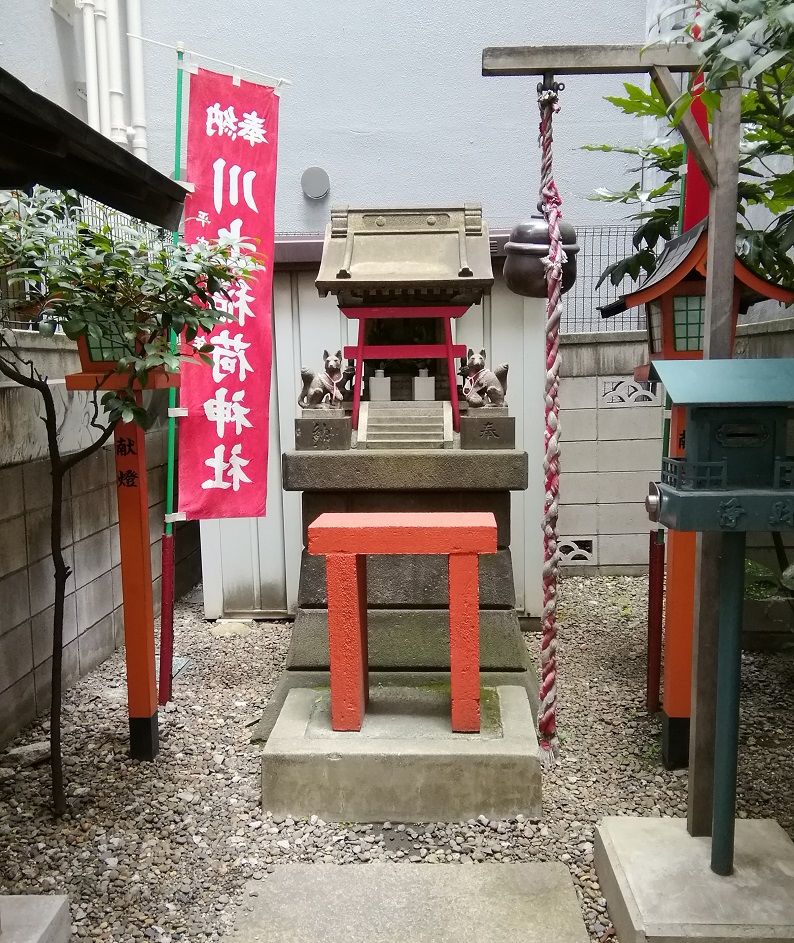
{"x": 400, "y": 435}
{"x": 424, "y": 408}
{"x": 35, "y": 918}
{"x": 398, "y": 421}
{"x": 410, "y": 428}
{"x": 405, "y": 444}
{"x": 395, "y": 903}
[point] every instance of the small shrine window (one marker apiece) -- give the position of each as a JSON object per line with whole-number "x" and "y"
{"x": 655, "y": 327}
{"x": 688, "y": 322}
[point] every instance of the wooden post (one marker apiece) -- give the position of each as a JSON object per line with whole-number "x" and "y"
{"x": 346, "y": 576}
{"x": 136, "y": 584}
{"x": 717, "y": 344}
{"x": 464, "y": 642}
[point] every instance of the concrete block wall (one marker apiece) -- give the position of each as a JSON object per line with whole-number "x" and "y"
{"x": 612, "y": 444}
{"x": 611, "y": 449}
{"x": 94, "y": 616}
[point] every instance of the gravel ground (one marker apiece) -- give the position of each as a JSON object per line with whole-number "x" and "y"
{"x": 161, "y": 851}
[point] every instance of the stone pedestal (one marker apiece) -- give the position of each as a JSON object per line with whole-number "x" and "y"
{"x": 319, "y": 430}
{"x": 487, "y": 427}
{"x": 660, "y": 888}
{"x": 407, "y": 594}
{"x": 405, "y": 764}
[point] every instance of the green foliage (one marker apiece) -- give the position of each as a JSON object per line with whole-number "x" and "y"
{"x": 738, "y": 40}
{"x": 112, "y": 285}
{"x": 767, "y": 146}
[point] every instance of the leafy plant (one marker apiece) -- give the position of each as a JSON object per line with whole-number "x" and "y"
{"x": 109, "y": 284}
{"x": 737, "y": 40}
{"x": 767, "y": 136}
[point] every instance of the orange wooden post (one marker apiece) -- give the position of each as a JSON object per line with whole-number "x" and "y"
{"x": 678, "y": 626}
{"x": 464, "y": 641}
{"x": 346, "y": 575}
{"x": 136, "y": 583}
{"x": 344, "y": 540}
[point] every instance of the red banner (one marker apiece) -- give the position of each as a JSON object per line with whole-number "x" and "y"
{"x": 231, "y": 163}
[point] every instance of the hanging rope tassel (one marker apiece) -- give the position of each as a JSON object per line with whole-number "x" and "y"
{"x": 551, "y": 206}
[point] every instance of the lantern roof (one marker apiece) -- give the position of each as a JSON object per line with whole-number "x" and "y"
{"x": 43, "y": 143}
{"x": 685, "y": 257}
{"x": 403, "y": 257}
{"x": 726, "y": 382}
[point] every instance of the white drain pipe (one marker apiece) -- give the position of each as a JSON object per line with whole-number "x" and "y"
{"x": 91, "y": 80}
{"x": 103, "y": 66}
{"x": 118, "y": 128}
{"x": 137, "y": 99}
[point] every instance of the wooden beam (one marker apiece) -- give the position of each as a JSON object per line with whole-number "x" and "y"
{"x": 717, "y": 344}
{"x": 586, "y": 60}
{"x": 698, "y": 146}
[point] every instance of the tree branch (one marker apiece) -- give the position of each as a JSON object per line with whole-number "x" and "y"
{"x": 76, "y": 457}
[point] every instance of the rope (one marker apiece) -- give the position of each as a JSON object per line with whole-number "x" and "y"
{"x": 551, "y": 206}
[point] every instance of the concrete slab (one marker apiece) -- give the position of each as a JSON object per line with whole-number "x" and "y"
{"x": 290, "y": 680}
{"x": 405, "y": 764}
{"x": 394, "y": 903}
{"x": 660, "y": 888}
{"x": 35, "y": 918}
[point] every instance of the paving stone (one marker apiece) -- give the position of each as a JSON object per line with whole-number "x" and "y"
{"x": 390, "y": 903}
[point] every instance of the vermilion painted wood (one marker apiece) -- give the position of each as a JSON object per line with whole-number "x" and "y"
{"x": 448, "y": 350}
{"x": 347, "y": 639}
{"x": 345, "y": 539}
{"x": 442, "y": 532}
{"x": 397, "y": 351}
{"x": 420, "y": 311}
{"x": 464, "y": 642}
{"x": 136, "y": 569}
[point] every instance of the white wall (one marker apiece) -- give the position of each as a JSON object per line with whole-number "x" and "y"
{"x": 43, "y": 51}
{"x": 387, "y": 97}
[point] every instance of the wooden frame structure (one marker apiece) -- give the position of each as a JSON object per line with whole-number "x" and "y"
{"x": 719, "y": 163}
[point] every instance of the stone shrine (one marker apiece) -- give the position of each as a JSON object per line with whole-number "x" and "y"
{"x": 424, "y": 457}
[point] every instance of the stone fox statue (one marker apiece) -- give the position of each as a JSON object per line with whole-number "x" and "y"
{"x": 484, "y": 387}
{"x": 327, "y": 388}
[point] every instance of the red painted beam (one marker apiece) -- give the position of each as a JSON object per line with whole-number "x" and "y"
{"x": 382, "y": 533}
{"x": 404, "y": 351}
{"x": 425, "y": 311}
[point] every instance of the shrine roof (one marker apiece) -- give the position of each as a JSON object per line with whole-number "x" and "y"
{"x": 726, "y": 382}
{"x": 686, "y": 256}
{"x": 45, "y": 144}
{"x": 406, "y": 256}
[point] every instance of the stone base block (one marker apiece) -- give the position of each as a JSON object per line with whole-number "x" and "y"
{"x": 416, "y": 580}
{"x": 660, "y": 888}
{"x": 35, "y": 918}
{"x": 412, "y": 639}
{"x": 392, "y": 903}
{"x": 405, "y": 764}
{"x": 405, "y": 470}
{"x": 321, "y": 430}
{"x": 290, "y": 680}
{"x": 481, "y": 429}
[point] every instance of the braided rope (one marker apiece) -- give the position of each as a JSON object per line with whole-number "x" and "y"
{"x": 551, "y": 205}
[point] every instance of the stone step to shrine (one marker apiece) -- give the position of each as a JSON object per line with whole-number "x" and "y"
{"x": 395, "y": 903}
{"x": 405, "y": 422}
{"x": 405, "y": 425}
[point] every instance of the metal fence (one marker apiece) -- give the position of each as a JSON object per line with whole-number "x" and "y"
{"x": 599, "y": 247}
{"x": 97, "y": 216}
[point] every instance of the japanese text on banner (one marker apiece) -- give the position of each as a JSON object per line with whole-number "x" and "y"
{"x": 223, "y": 440}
